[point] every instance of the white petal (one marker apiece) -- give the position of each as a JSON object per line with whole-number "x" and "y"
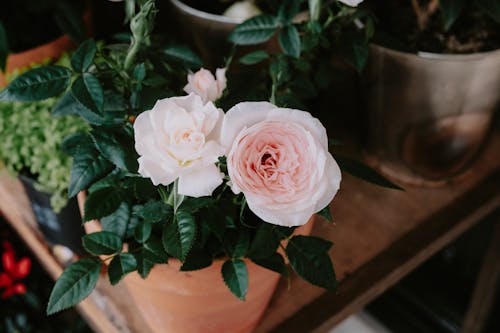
{"x": 200, "y": 182}
{"x": 352, "y": 3}
{"x": 281, "y": 217}
{"x": 329, "y": 185}
{"x": 150, "y": 168}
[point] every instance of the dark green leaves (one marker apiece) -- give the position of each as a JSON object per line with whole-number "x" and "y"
{"x": 117, "y": 148}
{"x": 265, "y": 242}
{"x": 38, "y": 84}
{"x": 491, "y": 8}
{"x": 451, "y": 10}
{"x": 102, "y": 202}
{"x": 275, "y": 263}
{"x": 255, "y": 30}
{"x": 150, "y": 253}
{"x": 88, "y": 91}
{"x": 178, "y": 237}
{"x": 290, "y": 41}
{"x": 103, "y": 242}
{"x": 4, "y": 48}
{"x": 83, "y": 56}
{"x": 288, "y": 10}
{"x": 309, "y": 259}
{"x": 69, "y": 19}
{"x": 360, "y": 170}
{"x": 88, "y": 167}
{"x": 120, "y": 266}
{"x": 235, "y": 276}
{"x": 354, "y": 50}
{"x": 76, "y": 282}
{"x": 143, "y": 231}
{"x": 326, "y": 214}
{"x": 183, "y": 54}
{"x": 254, "y": 57}
{"x": 155, "y": 211}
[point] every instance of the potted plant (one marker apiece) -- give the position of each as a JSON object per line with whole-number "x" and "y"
{"x": 431, "y": 86}
{"x": 194, "y": 208}
{"x": 30, "y": 147}
{"x": 23, "y": 41}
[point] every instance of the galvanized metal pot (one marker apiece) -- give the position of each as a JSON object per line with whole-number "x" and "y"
{"x": 428, "y": 114}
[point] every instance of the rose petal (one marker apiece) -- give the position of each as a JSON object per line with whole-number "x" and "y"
{"x": 200, "y": 182}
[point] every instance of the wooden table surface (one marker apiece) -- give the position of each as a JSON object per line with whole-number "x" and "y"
{"x": 380, "y": 235}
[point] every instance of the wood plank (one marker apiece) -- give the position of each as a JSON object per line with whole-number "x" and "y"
{"x": 106, "y": 309}
{"x": 369, "y": 223}
{"x": 487, "y": 284}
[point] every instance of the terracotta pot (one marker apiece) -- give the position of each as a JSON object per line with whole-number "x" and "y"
{"x": 199, "y": 302}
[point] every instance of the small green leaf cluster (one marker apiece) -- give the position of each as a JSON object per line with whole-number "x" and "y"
{"x": 452, "y": 9}
{"x": 31, "y": 142}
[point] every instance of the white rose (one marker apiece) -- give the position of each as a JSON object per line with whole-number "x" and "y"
{"x": 205, "y": 85}
{"x": 279, "y": 159}
{"x": 178, "y": 138}
{"x": 352, "y": 3}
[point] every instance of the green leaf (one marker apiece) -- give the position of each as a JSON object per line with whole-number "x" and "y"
{"x": 102, "y": 203}
{"x": 491, "y": 8}
{"x": 265, "y": 242}
{"x": 288, "y": 10}
{"x": 255, "y": 57}
{"x": 103, "y": 242}
{"x": 83, "y": 56}
{"x": 314, "y": 9}
{"x": 67, "y": 105}
{"x": 117, "y": 148}
{"x": 242, "y": 244}
{"x": 149, "y": 254}
{"x": 88, "y": 167}
{"x": 38, "y": 84}
{"x": 354, "y": 50}
{"x": 192, "y": 205}
{"x": 120, "y": 266}
{"x": 362, "y": 171}
{"x": 451, "y": 10}
{"x": 4, "y": 48}
{"x": 76, "y": 282}
{"x": 183, "y": 54}
{"x": 118, "y": 222}
{"x": 178, "y": 237}
{"x": 326, "y": 214}
{"x": 155, "y": 211}
{"x": 255, "y": 30}
{"x": 275, "y": 263}
{"x": 309, "y": 259}
{"x": 70, "y": 20}
{"x": 140, "y": 187}
{"x": 196, "y": 259}
{"x": 88, "y": 92}
{"x": 143, "y": 231}
{"x": 235, "y": 275}
{"x": 290, "y": 41}
{"x": 75, "y": 142}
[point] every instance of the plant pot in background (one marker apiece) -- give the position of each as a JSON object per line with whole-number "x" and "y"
{"x": 63, "y": 228}
{"x": 199, "y": 301}
{"x": 429, "y": 114}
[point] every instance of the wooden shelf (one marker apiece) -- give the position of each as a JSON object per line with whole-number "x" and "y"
{"x": 380, "y": 236}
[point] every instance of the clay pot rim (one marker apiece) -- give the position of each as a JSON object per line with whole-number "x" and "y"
{"x": 420, "y": 55}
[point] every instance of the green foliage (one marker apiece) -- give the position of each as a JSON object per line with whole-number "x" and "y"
{"x": 490, "y": 8}
{"x": 120, "y": 266}
{"x": 326, "y": 214}
{"x": 103, "y": 242}
{"x": 255, "y": 57}
{"x": 235, "y": 275}
{"x": 255, "y": 30}
{"x": 84, "y": 56}
{"x": 451, "y": 10}
{"x": 77, "y": 282}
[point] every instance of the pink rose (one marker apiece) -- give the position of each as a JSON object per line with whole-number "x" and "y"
{"x": 205, "y": 85}
{"x": 179, "y": 138}
{"x": 279, "y": 159}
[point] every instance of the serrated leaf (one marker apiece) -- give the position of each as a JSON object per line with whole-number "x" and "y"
{"x": 363, "y": 171}
{"x": 275, "y": 262}
{"x": 149, "y": 254}
{"x": 141, "y": 187}
{"x": 117, "y": 148}
{"x": 143, "y": 231}
{"x": 76, "y": 282}
{"x": 120, "y": 266}
{"x": 38, "y": 84}
{"x": 83, "y": 56}
{"x": 196, "y": 259}
{"x": 289, "y": 40}
{"x": 87, "y": 168}
{"x": 192, "y": 205}
{"x": 288, "y": 10}
{"x": 255, "y": 57}
{"x": 242, "y": 243}
{"x": 75, "y": 142}
{"x": 265, "y": 242}
{"x": 102, "y": 202}
{"x": 326, "y": 214}
{"x": 255, "y": 30}
{"x": 183, "y": 54}
{"x": 309, "y": 258}
{"x": 155, "y": 211}
{"x": 178, "y": 237}
{"x": 88, "y": 92}
{"x": 4, "y": 48}
{"x": 451, "y": 10}
{"x": 118, "y": 222}
{"x": 67, "y": 104}
{"x": 103, "y": 242}
{"x": 235, "y": 275}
